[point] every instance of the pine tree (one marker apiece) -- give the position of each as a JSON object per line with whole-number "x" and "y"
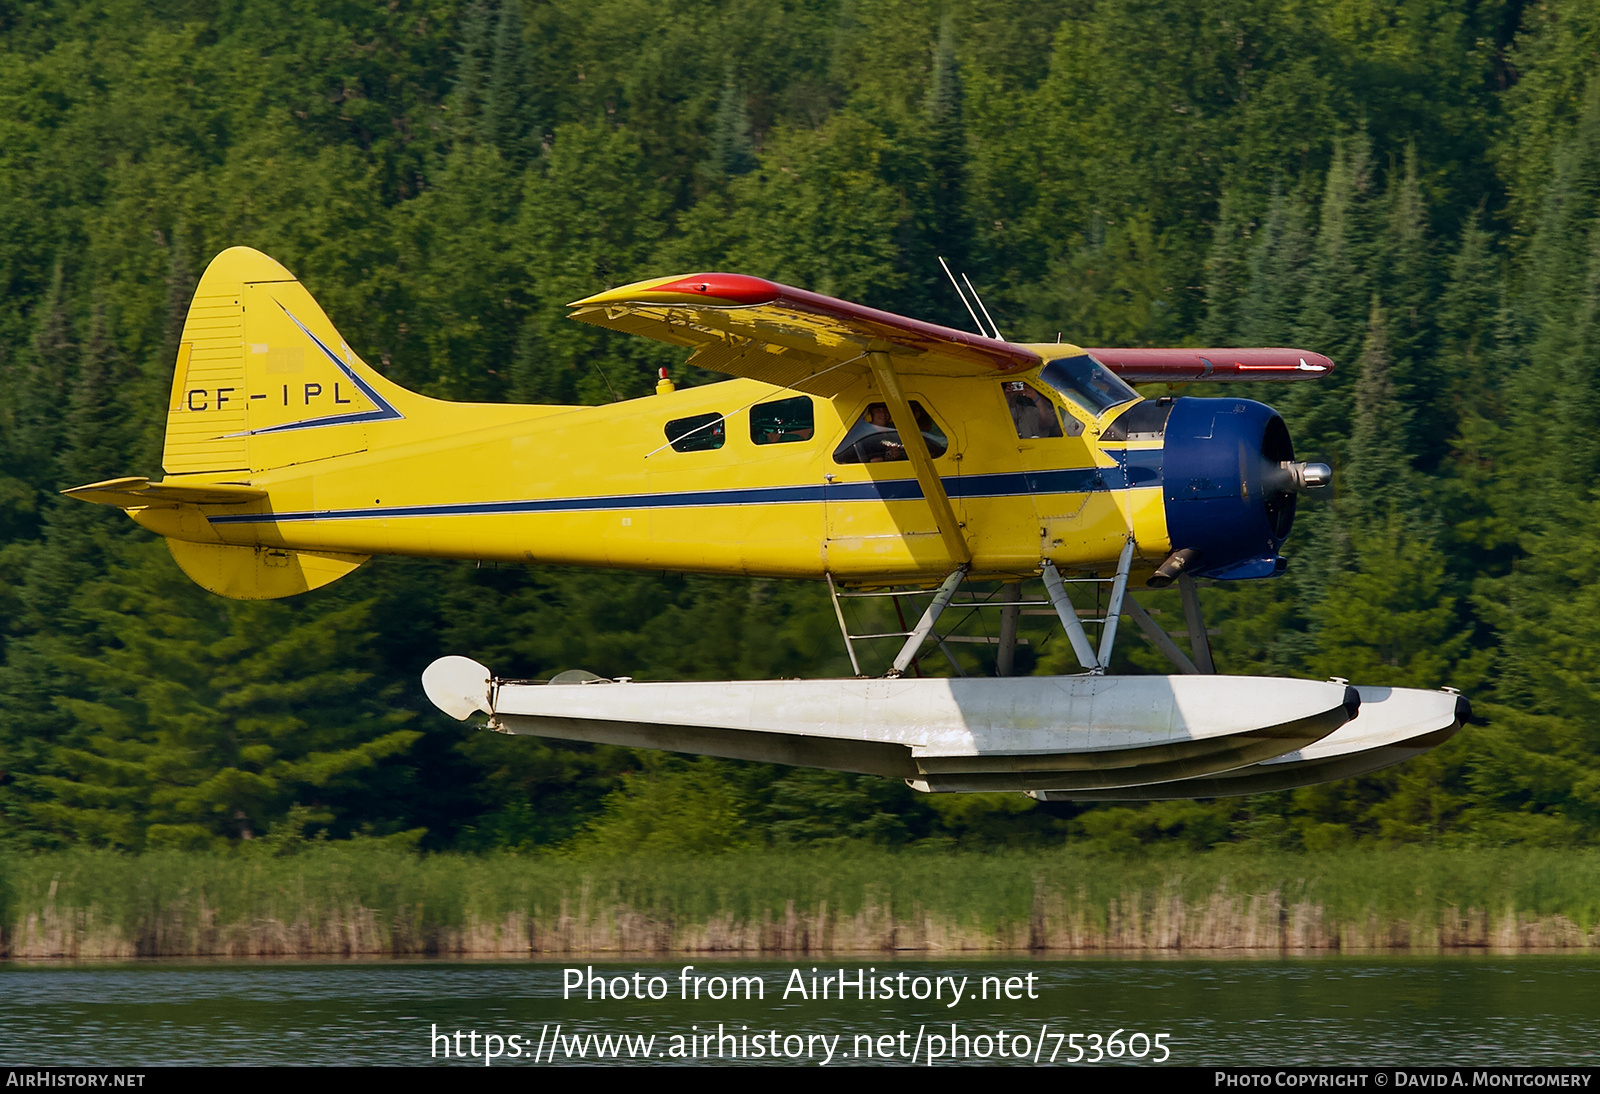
{"x": 1474, "y": 366}
{"x": 466, "y": 99}
{"x": 1278, "y": 266}
{"x": 96, "y": 421}
{"x": 1338, "y": 290}
{"x": 1466, "y": 316}
{"x": 932, "y": 177}
{"x": 511, "y": 120}
{"x": 732, "y": 151}
{"x": 1537, "y": 760}
{"x": 45, "y": 383}
{"x": 1403, "y": 266}
{"x": 1403, "y": 263}
{"x": 589, "y": 219}
{"x": 948, "y": 227}
{"x": 469, "y": 284}
{"x": 180, "y": 285}
{"x": 1390, "y": 620}
{"x": 1334, "y": 308}
{"x": 82, "y": 421}
{"x": 1227, "y": 269}
{"x": 197, "y": 724}
{"x": 1376, "y": 479}
{"x": 1549, "y": 306}
{"x": 1580, "y": 408}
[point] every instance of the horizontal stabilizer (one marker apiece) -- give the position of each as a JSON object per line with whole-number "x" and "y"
{"x": 137, "y": 492}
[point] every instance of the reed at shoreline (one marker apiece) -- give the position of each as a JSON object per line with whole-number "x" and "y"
{"x": 355, "y": 899}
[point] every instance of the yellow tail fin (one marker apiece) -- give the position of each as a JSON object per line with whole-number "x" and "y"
{"x": 264, "y": 380}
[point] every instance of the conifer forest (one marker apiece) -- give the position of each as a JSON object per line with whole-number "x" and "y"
{"x": 1411, "y": 187}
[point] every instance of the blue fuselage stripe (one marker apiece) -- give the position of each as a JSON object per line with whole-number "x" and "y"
{"x": 1080, "y": 480}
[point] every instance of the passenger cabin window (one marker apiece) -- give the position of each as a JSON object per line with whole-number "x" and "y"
{"x": 1087, "y": 383}
{"x": 1034, "y": 414}
{"x": 874, "y": 438}
{"x": 783, "y": 422}
{"x": 697, "y": 433}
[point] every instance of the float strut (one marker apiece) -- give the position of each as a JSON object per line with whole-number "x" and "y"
{"x": 838, "y": 611}
{"x": 1006, "y": 654}
{"x": 1197, "y": 626}
{"x": 941, "y": 600}
{"x": 1108, "y": 633}
{"x": 1162, "y": 640}
{"x": 1069, "y": 617}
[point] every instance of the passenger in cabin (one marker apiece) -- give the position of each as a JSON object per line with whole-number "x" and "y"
{"x": 780, "y": 435}
{"x": 784, "y": 421}
{"x": 874, "y": 438}
{"x": 882, "y": 447}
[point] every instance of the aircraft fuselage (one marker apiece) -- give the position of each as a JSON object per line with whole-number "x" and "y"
{"x": 603, "y": 486}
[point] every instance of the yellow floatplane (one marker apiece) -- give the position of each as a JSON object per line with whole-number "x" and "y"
{"x": 876, "y": 453}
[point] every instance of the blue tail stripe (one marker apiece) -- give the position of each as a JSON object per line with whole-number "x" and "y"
{"x": 385, "y": 411}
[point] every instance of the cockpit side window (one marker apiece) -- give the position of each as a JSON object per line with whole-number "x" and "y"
{"x": 874, "y": 438}
{"x": 783, "y": 421}
{"x": 1087, "y": 383}
{"x": 698, "y": 433}
{"x": 1034, "y": 414}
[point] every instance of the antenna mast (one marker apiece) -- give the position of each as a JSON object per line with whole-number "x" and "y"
{"x": 963, "y": 296}
{"x": 986, "y": 314}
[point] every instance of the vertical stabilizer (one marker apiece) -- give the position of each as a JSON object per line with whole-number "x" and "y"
{"x": 263, "y": 379}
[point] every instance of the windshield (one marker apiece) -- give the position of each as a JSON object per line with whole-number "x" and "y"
{"x": 1088, "y": 383}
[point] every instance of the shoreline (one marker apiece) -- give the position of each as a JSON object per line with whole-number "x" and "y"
{"x": 619, "y": 958}
{"x": 341, "y": 902}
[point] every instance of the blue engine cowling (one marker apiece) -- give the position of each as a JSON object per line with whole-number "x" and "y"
{"x": 1225, "y": 492}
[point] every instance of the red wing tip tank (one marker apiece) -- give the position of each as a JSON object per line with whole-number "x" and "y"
{"x": 902, "y": 463}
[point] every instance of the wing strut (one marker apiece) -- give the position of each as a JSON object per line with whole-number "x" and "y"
{"x": 905, "y": 423}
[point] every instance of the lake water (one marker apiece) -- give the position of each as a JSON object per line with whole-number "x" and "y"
{"x": 1485, "y": 1011}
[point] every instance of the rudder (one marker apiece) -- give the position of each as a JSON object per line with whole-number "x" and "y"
{"x": 263, "y": 379}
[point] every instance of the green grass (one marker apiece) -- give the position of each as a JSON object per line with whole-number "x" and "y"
{"x": 164, "y": 898}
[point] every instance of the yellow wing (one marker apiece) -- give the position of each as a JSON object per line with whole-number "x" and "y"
{"x": 751, "y": 327}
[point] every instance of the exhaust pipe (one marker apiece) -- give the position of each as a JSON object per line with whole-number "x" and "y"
{"x": 1170, "y": 570}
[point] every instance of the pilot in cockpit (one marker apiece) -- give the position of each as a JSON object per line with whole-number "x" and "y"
{"x": 1032, "y": 414}
{"x": 882, "y": 447}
